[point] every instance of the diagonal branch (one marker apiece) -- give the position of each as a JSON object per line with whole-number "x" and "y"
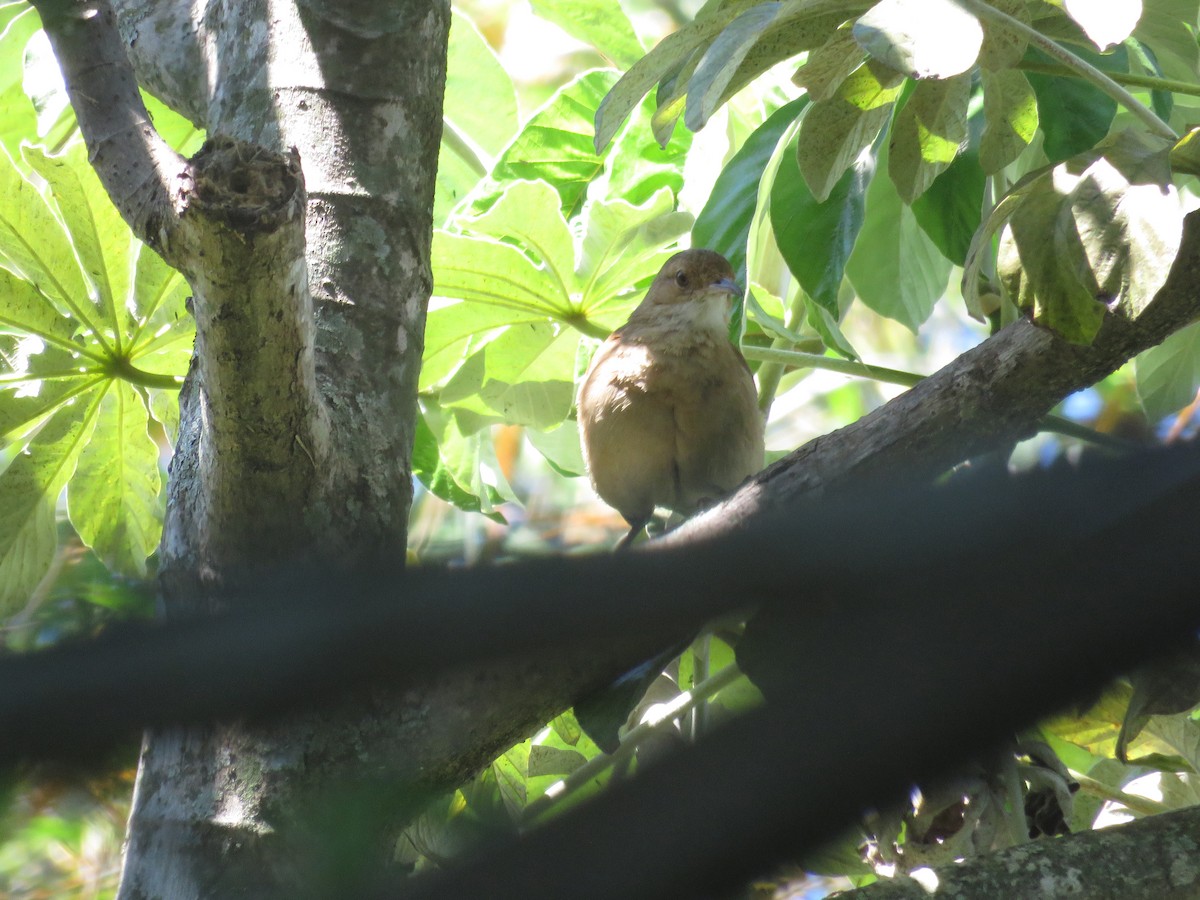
{"x": 989, "y": 397}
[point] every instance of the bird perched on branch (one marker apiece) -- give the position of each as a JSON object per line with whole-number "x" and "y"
{"x": 668, "y": 414}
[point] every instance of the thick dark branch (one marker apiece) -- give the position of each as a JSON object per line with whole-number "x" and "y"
{"x": 143, "y": 176}
{"x": 989, "y": 397}
{"x": 1153, "y": 857}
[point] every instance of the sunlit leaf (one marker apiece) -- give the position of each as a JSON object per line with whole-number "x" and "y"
{"x": 29, "y": 489}
{"x": 1106, "y": 22}
{"x": 601, "y": 23}
{"x": 835, "y": 131}
{"x": 829, "y": 65}
{"x": 555, "y": 145}
{"x": 114, "y": 497}
{"x": 98, "y": 233}
{"x": 1011, "y": 111}
{"x": 34, "y": 243}
{"x": 1097, "y": 233}
{"x": 721, "y": 61}
{"x": 921, "y": 38}
{"x": 670, "y": 53}
{"x": 927, "y": 134}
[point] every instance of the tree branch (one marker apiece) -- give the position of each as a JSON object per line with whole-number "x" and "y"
{"x": 145, "y": 178}
{"x": 991, "y": 396}
{"x": 1151, "y": 857}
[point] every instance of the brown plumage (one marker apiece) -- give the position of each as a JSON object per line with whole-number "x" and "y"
{"x": 668, "y": 413}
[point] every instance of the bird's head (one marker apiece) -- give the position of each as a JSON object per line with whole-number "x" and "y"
{"x": 694, "y": 284}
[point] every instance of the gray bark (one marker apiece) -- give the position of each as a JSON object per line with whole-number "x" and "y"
{"x": 1154, "y": 857}
{"x": 316, "y": 463}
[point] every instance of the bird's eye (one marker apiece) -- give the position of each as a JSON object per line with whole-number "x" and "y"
{"x": 681, "y": 278}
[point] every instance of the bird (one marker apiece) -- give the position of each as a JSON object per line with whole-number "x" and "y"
{"x": 668, "y": 412}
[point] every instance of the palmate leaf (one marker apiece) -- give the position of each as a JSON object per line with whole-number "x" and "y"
{"x": 601, "y": 23}
{"x": 114, "y": 499}
{"x": 479, "y": 115}
{"x": 29, "y": 488}
{"x": 554, "y": 146}
{"x": 89, "y": 313}
{"x": 514, "y": 295}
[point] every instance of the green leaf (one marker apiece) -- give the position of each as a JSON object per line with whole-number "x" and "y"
{"x": 487, "y": 271}
{"x": 951, "y": 210}
{"x": 1163, "y": 102}
{"x": 18, "y": 119}
{"x": 441, "y": 477}
{"x": 816, "y": 237}
{"x": 668, "y": 56}
{"x": 480, "y": 114}
{"x": 834, "y": 132}
{"x": 601, "y": 23}
{"x": 724, "y": 223}
{"x": 1002, "y": 47}
{"x": 1099, "y": 232}
{"x": 114, "y": 496}
{"x": 159, "y": 304}
{"x": 1073, "y": 114}
{"x": 638, "y": 165}
{"x": 480, "y": 98}
{"x": 718, "y": 66}
{"x": 623, "y": 248}
{"x": 895, "y": 268}
{"x": 1168, "y": 28}
{"x": 561, "y": 448}
{"x": 528, "y": 214}
{"x": 25, "y": 308}
{"x": 173, "y": 128}
{"x": 99, "y": 234}
{"x": 1106, "y": 23}
{"x": 1031, "y": 267}
{"x": 35, "y": 244}
{"x": 29, "y": 489}
{"x": 556, "y": 143}
{"x": 1011, "y": 110}
{"x": 921, "y": 38}
{"x": 927, "y": 133}
{"x": 829, "y": 65}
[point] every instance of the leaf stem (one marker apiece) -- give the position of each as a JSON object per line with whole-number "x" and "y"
{"x": 1070, "y": 60}
{"x": 1052, "y": 424}
{"x": 125, "y": 370}
{"x": 1143, "y": 806}
{"x": 1147, "y": 81}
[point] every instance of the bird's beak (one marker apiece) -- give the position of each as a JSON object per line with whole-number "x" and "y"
{"x": 728, "y": 284}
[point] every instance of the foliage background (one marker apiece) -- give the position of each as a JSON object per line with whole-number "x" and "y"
{"x": 544, "y": 243}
